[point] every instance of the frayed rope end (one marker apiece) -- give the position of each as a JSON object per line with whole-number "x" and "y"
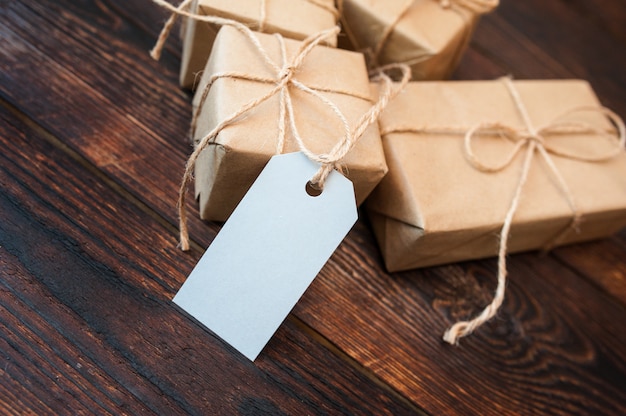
{"x": 455, "y": 333}
{"x": 184, "y": 242}
{"x": 155, "y": 53}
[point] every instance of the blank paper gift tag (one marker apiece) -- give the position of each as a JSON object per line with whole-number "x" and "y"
{"x": 268, "y": 253}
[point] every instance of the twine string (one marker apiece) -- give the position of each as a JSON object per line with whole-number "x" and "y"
{"x": 382, "y": 42}
{"x": 156, "y": 51}
{"x": 464, "y": 328}
{"x": 531, "y": 141}
{"x": 388, "y": 91}
{"x": 534, "y": 141}
{"x": 183, "y": 10}
{"x": 283, "y": 80}
{"x": 282, "y": 104}
{"x": 475, "y": 6}
{"x": 284, "y": 75}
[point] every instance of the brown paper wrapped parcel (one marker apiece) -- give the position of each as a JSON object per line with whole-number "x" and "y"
{"x": 225, "y": 170}
{"x": 427, "y": 35}
{"x": 294, "y": 19}
{"x": 434, "y": 207}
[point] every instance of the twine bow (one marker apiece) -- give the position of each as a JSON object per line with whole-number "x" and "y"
{"x": 531, "y": 141}
{"x": 283, "y": 81}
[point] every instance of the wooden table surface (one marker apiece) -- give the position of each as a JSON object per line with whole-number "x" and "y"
{"x": 93, "y": 147}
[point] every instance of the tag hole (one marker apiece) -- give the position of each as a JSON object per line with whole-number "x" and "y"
{"x": 312, "y": 190}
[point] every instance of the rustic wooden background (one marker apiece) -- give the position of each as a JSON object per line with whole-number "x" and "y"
{"x": 92, "y": 149}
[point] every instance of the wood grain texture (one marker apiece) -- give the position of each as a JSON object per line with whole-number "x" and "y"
{"x": 561, "y": 41}
{"x": 536, "y": 357}
{"x": 88, "y": 312}
{"x": 134, "y": 131}
{"x": 602, "y": 262}
{"x": 94, "y": 141}
{"x": 568, "y": 39}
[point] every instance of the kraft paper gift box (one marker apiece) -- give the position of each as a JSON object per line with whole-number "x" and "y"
{"x": 294, "y": 19}
{"x": 434, "y": 207}
{"x": 226, "y": 169}
{"x": 425, "y": 34}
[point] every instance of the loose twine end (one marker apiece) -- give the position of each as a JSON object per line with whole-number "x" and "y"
{"x": 454, "y": 333}
{"x": 284, "y": 80}
{"x": 155, "y": 53}
{"x": 464, "y": 328}
{"x": 184, "y": 241}
{"x": 534, "y": 141}
{"x": 183, "y": 232}
{"x": 157, "y": 50}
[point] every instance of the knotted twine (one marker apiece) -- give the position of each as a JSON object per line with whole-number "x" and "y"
{"x": 183, "y": 9}
{"x": 533, "y": 140}
{"x": 283, "y": 81}
{"x": 474, "y": 6}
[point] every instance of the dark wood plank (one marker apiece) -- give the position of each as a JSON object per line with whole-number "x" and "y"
{"x": 49, "y": 355}
{"x": 149, "y": 19}
{"x": 97, "y": 51}
{"x": 548, "y": 351}
{"x": 543, "y": 48}
{"x": 602, "y": 262}
{"x": 133, "y": 131}
{"x": 534, "y": 339}
{"x": 560, "y": 358}
{"x": 605, "y": 15}
{"x": 87, "y": 283}
{"x": 561, "y": 41}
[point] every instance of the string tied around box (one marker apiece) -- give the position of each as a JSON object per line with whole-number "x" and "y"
{"x": 458, "y": 6}
{"x": 283, "y": 80}
{"x": 534, "y": 141}
{"x": 530, "y": 140}
{"x": 183, "y": 9}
